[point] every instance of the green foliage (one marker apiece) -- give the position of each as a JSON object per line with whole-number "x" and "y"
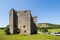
{"x": 7, "y": 26}
{"x": 7, "y": 29}
{"x": 2, "y": 28}
{"x": 43, "y": 30}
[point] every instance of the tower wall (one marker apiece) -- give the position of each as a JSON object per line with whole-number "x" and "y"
{"x": 11, "y": 23}
{"x": 23, "y": 22}
{"x": 35, "y": 20}
{"x": 33, "y": 25}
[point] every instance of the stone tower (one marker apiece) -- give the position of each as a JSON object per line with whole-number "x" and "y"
{"x": 23, "y": 22}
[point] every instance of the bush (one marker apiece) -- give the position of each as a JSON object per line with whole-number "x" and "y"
{"x": 43, "y": 30}
{"x": 7, "y": 31}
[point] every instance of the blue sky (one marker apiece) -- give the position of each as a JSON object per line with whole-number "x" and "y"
{"x": 48, "y": 11}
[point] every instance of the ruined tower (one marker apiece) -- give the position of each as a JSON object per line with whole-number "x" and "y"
{"x": 23, "y": 22}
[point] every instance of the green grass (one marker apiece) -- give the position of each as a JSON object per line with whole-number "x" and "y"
{"x": 3, "y": 36}
{"x": 29, "y": 37}
{"x": 54, "y": 30}
{"x": 2, "y": 31}
{"x": 51, "y": 30}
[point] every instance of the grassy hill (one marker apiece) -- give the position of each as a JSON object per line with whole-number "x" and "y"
{"x": 48, "y": 25}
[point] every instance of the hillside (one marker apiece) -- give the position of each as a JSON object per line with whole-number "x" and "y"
{"x": 48, "y": 25}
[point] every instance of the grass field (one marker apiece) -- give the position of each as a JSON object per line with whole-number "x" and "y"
{"x": 28, "y": 37}
{"x": 2, "y": 32}
{"x": 54, "y": 30}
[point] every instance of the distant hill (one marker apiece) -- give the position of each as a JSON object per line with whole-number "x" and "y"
{"x": 48, "y": 25}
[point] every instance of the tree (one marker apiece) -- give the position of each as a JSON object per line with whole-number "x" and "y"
{"x": 7, "y": 29}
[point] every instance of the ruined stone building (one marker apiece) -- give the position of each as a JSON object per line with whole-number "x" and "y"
{"x": 22, "y": 22}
